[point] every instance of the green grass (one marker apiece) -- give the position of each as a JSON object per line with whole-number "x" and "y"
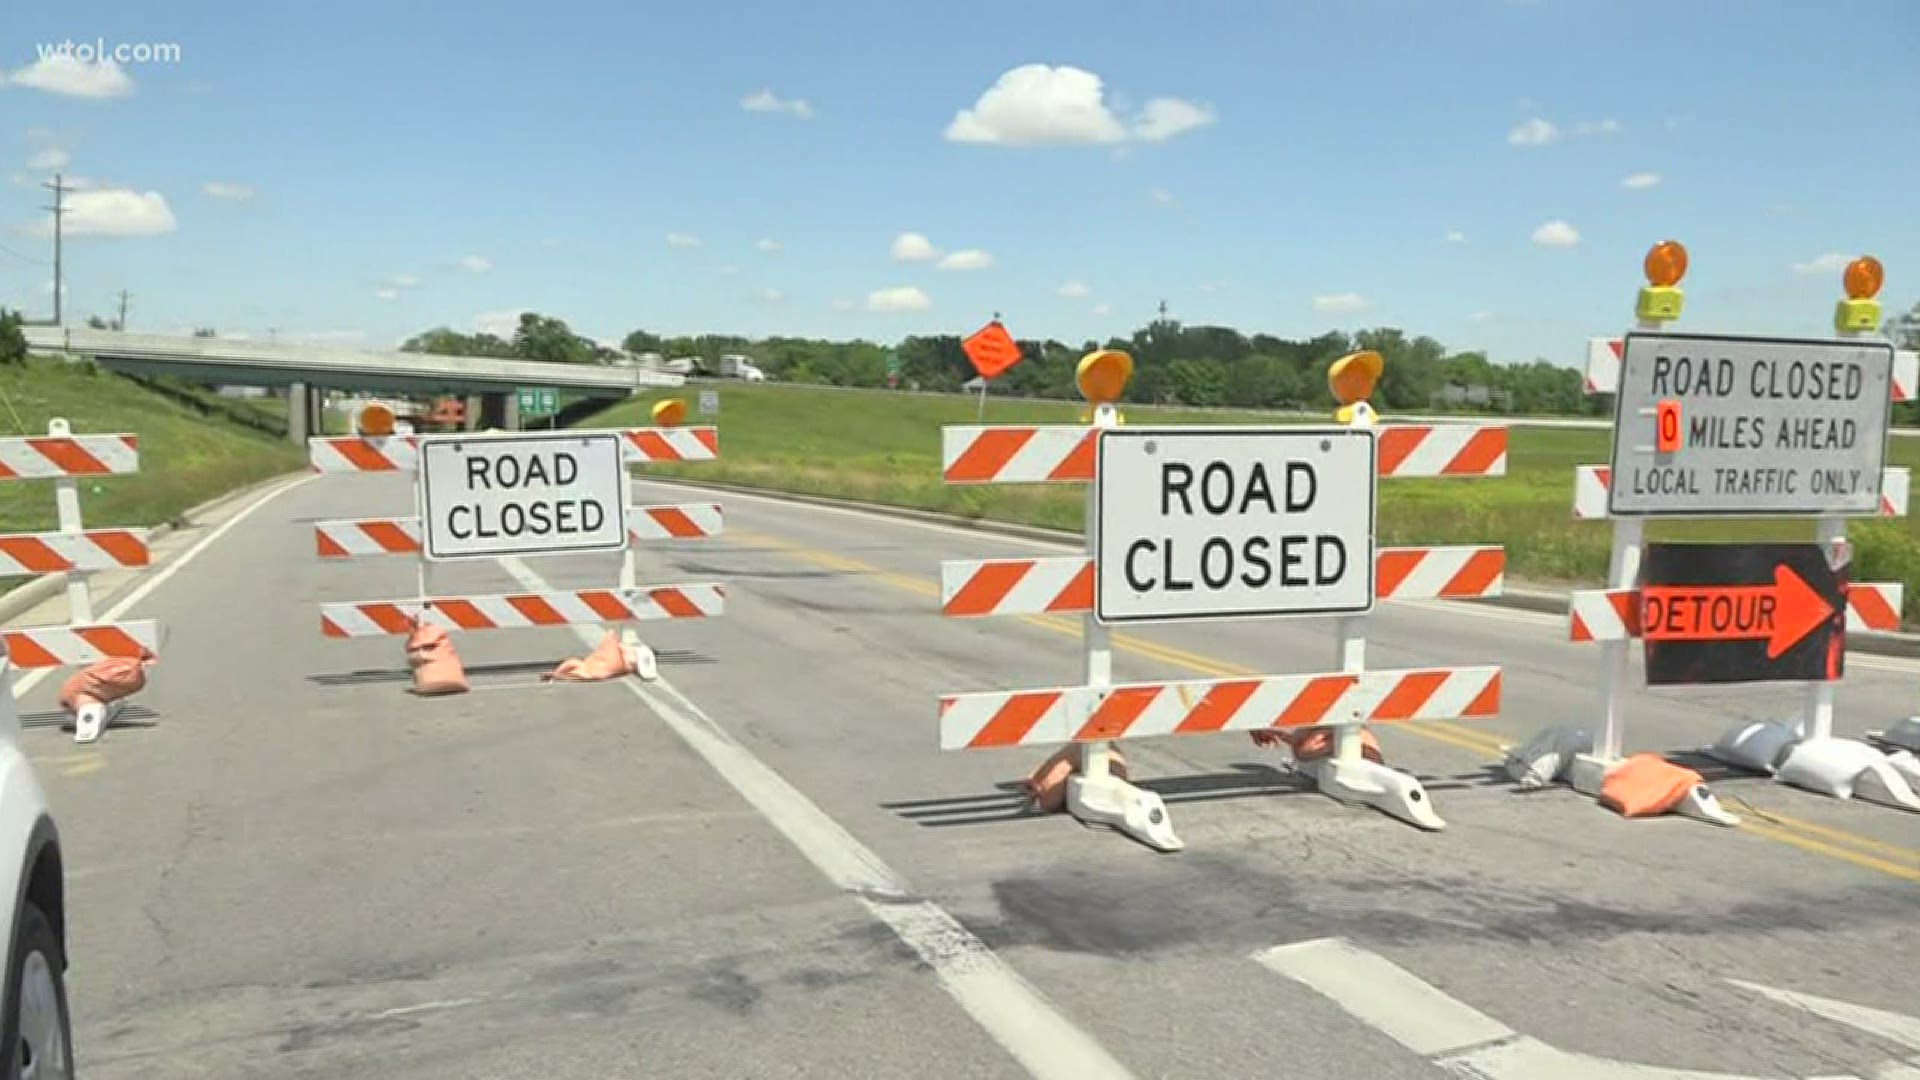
{"x": 885, "y": 448}
{"x": 191, "y": 450}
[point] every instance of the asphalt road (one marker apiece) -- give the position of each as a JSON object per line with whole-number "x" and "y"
{"x": 287, "y": 866}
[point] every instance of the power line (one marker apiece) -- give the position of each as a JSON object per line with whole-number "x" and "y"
{"x": 22, "y": 258}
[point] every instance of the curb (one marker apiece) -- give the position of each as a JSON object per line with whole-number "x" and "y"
{"x": 1522, "y": 597}
{"x": 33, "y": 593}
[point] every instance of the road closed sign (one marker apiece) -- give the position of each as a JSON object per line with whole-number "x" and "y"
{"x": 1229, "y": 523}
{"x": 1711, "y": 426}
{"x": 487, "y": 496}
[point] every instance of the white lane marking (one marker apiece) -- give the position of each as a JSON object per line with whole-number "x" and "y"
{"x": 1014, "y": 1012}
{"x": 1384, "y": 996}
{"x": 1898, "y": 665}
{"x": 1890, "y": 1026}
{"x": 1456, "y": 1038}
{"x": 159, "y": 577}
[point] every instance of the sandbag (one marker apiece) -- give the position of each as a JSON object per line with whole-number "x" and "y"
{"x": 436, "y": 667}
{"x": 1829, "y": 766}
{"x": 1312, "y": 744}
{"x": 608, "y": 660}
{"x": 1904, "y": 733}
{"x": 1545, "y": 758}
{"x": 1645, "y": 785}
{"x": 104, "y": 682}
{"x": 1756, "y": 747}
{"x": 1046, "y": 786}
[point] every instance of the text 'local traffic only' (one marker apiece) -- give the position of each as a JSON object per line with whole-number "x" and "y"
{"x": 522, "y": 495}
{"x": 1745, "y": 425}
{"x": 1233, "y": 522}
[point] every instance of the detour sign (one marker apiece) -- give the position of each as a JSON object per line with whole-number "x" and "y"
{"x": 1718, "y": 613}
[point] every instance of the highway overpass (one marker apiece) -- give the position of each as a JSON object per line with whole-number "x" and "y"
{"x": 302, "y": 368}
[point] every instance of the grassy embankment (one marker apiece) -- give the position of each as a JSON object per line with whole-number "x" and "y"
{"x": 191, "y": 449}
{"x": 885, "y": 448}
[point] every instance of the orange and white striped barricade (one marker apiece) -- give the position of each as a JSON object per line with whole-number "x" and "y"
{"x": 1097, "y": 713}
{"x": 77, "y": 552}
{"x": 1611, "y": 617}
{"x": 620, "y": 526}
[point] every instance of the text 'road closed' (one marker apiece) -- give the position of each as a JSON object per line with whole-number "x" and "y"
{"x": 1226, "y": 523}
{"x": 522, "y": 495}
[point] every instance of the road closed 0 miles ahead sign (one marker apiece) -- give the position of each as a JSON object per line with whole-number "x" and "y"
{"x": 1226, "y": 523}
{"x": 487, "y": 496}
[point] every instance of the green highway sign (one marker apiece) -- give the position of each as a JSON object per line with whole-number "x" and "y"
{"x": 538, "y": 400}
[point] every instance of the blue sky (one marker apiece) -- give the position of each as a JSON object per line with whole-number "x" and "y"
{"x": 1287, "y": 167}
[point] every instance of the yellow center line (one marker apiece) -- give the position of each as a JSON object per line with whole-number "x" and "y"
{"x": 1776, "y": 827}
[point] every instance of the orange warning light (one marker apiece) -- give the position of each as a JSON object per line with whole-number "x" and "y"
{"x": 1102, "y": 375}
{"x": 1863, "y": 278}
{"x": 375, "y": 420}
{"x": 1666, "y": 435}
{"x": 1666, "y": 264}
{"x": 669, "y": 413}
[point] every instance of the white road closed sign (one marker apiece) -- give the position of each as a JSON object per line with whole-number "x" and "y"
{"x": 1226, "y": 523}
{"x": 486, "y": 496}
{"x": 1707, "y": 426}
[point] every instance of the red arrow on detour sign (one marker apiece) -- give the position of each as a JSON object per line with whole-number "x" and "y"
{"x": 1781, "y": 613}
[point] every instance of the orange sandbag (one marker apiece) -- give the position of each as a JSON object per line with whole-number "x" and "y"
{"x": 105, "y": 681}
{"x": 1645, "y": 785}
{"x": 1047, "y": 785}
{"x": 436, "y": 667}
{"x": 607, "y": 661}
{"x": 1312, "y": 744}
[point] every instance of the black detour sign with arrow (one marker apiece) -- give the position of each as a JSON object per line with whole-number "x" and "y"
{"x": 1738, "y": 613}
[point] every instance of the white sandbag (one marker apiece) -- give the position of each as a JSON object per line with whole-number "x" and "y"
{"x": 1756, "y": 747}
{"x": 1546, "y": 756}
{"x": 1830, "y": 766}
{"x": 1904, "y": 733}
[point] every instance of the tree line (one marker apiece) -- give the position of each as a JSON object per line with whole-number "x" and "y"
{"x": 1174, "y": 364}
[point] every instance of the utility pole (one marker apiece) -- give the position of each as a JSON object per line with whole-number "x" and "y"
{"x": 59, "y": 209}
{"x": 122, "y": 324}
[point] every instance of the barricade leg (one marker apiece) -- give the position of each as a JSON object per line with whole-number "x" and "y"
{"x": 1589, "y": 771}
{"x": 1094, "y": 794}
{"x": 1347, "y": 774}
{"x": 94, "y": 717}
{"x": 645, "y": 664}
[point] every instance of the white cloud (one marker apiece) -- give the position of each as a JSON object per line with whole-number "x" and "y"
{"x": 726, "y": 268}
{"x": 1163, "y": 118}
{"x": 500, "y": 324}
{"x": 1480, "y": 316}
{"x": 1602, "y": 127}
{"x": 215, "y": 189}
{"x": 1557, "y": 234}
{"x": 682, "y": 240}
{"x": 324, "y": 337}
{"x": 770, "y": 246}
{"x": 899, "y": 298}
{"x": 1640, "y": 181}
{"x": 62, "y": 73}
{"x": 1212, "y": 286}
{"x": 1831, "y": 263}
{"x": 118, "y": 212}
{"x": 913, "y": 247}
{"x": 49, "y": 159}
{"x": 1040, "y": 105}
{"x": 475, "y": 264}
{"x": 1162, "y": 196}
{"x": 1346, "y": 303}
{"x": 404, "y": 281}
{"x": 770, "y": 296}
{"x": 969, "y": 259}
{"x": 1074, "y": 290}
{"x": 386, "y": 294}
{"x": 844, "y": 304}
{"x": 1534, "y": 132}
{"x": 1455, "y": 236}
{"x": 1103, "y": 308}
{"x": 767, "y": 101}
